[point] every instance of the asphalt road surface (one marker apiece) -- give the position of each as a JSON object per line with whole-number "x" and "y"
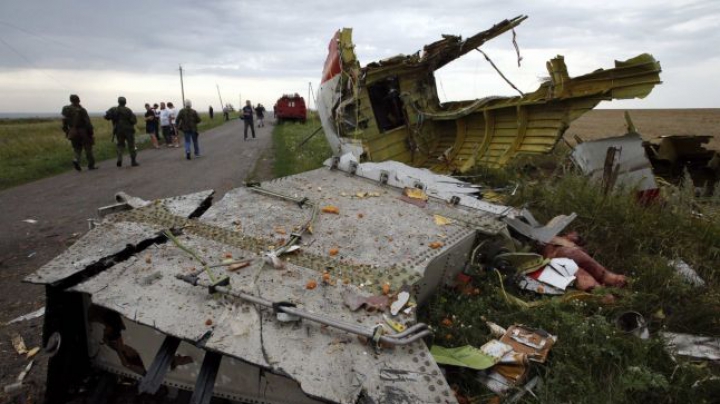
{"x": 61, "y": 206}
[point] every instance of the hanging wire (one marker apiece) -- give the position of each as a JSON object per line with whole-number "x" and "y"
{"x": 499, "y": 72}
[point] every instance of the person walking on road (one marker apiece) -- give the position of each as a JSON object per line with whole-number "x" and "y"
{"x": 260, "y": 113}
{"x": 79, "y": 130}
{"x": 124, "y": 121}
{"x": 187, "y": 121}
{"x": 150, "y": 125}
{"x": 247, "y": 116}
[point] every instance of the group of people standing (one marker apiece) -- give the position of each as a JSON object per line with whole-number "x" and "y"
{"x": 247, "y": 116}
{"x": 168, "y": 121}
{"x": 79, "y": 129}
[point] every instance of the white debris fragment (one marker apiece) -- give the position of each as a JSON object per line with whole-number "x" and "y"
{"x": 35, "y": 314}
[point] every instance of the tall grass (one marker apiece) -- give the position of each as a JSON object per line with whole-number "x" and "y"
{"x": 290, "y": 157}
{"x": 593, "y": 362}
{"x": 31, "y": 149}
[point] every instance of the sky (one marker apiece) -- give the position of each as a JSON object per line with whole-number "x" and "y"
{"x": 261, "y": 50}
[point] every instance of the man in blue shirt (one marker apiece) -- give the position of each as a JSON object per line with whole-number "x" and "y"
{"x": 247, "y": 116}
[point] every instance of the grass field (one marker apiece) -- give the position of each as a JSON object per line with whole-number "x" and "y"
{"x": 31, "y": 149}
{"x": 593, "y": 362}
{"x": 289, "y": 157}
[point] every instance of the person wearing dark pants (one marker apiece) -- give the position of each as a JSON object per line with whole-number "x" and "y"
{"x": 79, "y": 130}
{"x": 123, "y": 120}
{"x": 187, "y": 121}
{"x": 247, "y": 116}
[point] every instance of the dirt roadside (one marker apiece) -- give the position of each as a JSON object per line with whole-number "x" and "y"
{"x": 61, "y": 205}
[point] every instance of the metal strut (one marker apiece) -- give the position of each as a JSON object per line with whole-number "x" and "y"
{"x": 410, "y": 335}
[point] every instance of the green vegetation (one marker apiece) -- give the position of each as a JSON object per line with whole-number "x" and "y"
{"x": 290, "y": 158}
{"x": 593, "y": 362}
{"x": 34, "y": 148}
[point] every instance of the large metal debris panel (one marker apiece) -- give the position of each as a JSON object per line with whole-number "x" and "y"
{"x": 381, "y": 237}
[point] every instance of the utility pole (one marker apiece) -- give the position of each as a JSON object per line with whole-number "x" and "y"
{"x": 182, "y": 86}
{"x": 222, "y": 106}
{"x": 312, "y": 93}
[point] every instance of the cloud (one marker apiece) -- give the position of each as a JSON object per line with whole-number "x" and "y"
{"x": 264, "y": 49}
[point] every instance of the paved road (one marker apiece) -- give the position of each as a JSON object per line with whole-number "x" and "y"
{"x": 62, "y": 204}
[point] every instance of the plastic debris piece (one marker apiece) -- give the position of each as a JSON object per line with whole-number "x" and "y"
{"x": 334, "y": 251}
{"x": 693, "y": 346}
{"x": 331, "y": 209}
{"x": 441, "y": 220}
{"x": 19, "y": 344}
{"x": 402, "y": 299}
{"x": 398, "y": 327}
{"x": 687, "y": 272}
{"x": 35, "y": 314}
{"x": 31, "y": 221}
{"x": 436, "y": 244}
{"x": 33, "y": 352}
{"x": 465, "y": 356}
{"x": 311, "y": 285}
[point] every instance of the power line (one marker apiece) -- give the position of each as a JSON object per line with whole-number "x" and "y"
{"x": 57, "y": 42}
{"x": 30, "y": 62}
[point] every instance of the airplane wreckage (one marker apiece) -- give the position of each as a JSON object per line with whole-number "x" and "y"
{"x": 390, "y": 110}
{"x": 305, "y": 289}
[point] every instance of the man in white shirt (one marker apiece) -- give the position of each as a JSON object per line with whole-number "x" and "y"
{"x": 173, "y": 129}
{"x": 165, "y": 125}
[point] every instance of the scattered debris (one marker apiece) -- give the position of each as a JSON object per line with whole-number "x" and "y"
{"x": 33, "y": 352}
{"x": 693, "y": 346}
{"x": 19, "y": 344}
{"x": 464, "y": 356}
{"x": 673, "y": 156}
{"x": 13, "y": 387}
{"x": 333, "y": 251}
{"x": 35, "y": 314}
{"x": 616, "y": 161}
{"x": 400, "y": 302}
{"x": 436, "y": 244}
{"x": 415, "y": 193}
{"x": 441, "y": 220}
{"x": 559, "y": 273}
{"x": 331, "y": 209}
{"x": 310, "y": 285}
{"x": 398, "y": 327}
{"x": 31, "y": 221}
{"x": 632, "y": 322}
{"x": 386, "y": 289}
{"x": 535, "y": 343}
{"x": 32, "y": 254}
{"x": 687, "y": 272}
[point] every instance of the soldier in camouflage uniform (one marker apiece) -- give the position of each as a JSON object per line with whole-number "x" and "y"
{"x": 124, "y": 121}
{"x": 79, "y": 129}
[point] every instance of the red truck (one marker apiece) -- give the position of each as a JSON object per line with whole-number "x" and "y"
{"x": 290, "y": 107}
